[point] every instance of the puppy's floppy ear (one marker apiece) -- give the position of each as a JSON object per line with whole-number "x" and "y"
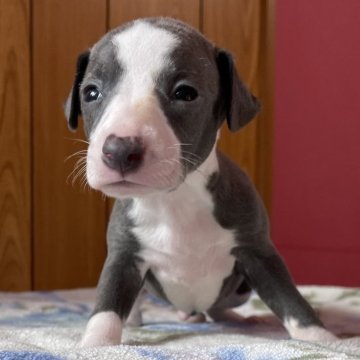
{"x": 72, "y": 105}
{"x": 240, "y": 105}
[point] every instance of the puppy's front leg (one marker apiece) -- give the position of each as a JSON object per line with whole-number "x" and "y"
{"x": 268, "y": 275}
{"x": 119, "y": 285}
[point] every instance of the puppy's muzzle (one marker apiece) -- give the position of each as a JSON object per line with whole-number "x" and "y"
{"x": 124, "y": 154}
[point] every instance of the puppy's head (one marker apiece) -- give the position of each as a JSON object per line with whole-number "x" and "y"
{"x": 153, "y": 95}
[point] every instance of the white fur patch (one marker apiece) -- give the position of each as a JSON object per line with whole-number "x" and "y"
{"x": 103, "y": 329}
{"x": 134, "y": 111}
{"x": 183, "y": 244}
{"x": 308, "y": 333}
{"x": 143, "y": 50}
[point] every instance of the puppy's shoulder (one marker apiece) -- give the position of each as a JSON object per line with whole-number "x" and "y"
{"x": 230, "y": 179}
{"x": 237, "y": 203}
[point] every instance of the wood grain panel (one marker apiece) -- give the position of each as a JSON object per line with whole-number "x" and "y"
{"x": 15, "y": 240}
{"x": 69, "y": 228}
{"x": 263, "y": 176}
{"x": 240, "y": 27}
{"x": 123, "y": 10}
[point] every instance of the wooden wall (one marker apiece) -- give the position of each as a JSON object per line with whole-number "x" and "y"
{"x": 15, "y": 145}
{"x": 52, "y": 232}
{"x": 69, "y": 222}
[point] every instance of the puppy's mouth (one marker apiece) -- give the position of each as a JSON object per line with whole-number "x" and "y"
{"x": 126, "y": 184}
{"x": 125, "y": 188}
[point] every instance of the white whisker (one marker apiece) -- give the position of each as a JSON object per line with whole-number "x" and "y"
{"x": 79, "y": 171}
{"x": 179, "y": 144}
{"x": 78, "y": 153}
{"x": 77, "y": 140}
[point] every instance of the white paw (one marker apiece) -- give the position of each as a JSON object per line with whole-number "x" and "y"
{"x": 103, "y": 329}
{"x": 309, "y": 333}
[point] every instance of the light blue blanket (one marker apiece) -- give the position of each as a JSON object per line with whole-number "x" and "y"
{"x": 48, "y": 326}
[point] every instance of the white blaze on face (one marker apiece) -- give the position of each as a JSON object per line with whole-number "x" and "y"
{"x": 143, "y": 53}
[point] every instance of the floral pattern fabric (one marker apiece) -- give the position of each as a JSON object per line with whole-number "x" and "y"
{"x": 48, "y": 326}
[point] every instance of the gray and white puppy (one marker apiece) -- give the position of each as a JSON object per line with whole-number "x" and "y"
{"x": 187, "y": 224}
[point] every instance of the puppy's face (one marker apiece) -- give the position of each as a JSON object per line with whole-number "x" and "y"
{"x": 153, "y": 96}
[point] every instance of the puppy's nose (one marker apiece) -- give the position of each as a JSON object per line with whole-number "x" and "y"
{"x": 124, "y": 154}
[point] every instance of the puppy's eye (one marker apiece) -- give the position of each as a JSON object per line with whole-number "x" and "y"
{"x": 91, "y": 93}
{"x": 185, "y": 93}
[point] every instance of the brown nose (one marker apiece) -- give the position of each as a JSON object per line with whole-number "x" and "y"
{"x": 124, "y": 154}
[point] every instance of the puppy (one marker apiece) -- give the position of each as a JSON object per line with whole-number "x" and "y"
{"x": 187, "y": 223}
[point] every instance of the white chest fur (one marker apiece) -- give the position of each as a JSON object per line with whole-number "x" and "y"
{"x": 183, "y": 245}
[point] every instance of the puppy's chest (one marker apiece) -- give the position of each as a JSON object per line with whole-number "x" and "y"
{"x": 186, "y": 249}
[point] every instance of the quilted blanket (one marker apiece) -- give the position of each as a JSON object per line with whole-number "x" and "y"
{"x": 48, "y": 326}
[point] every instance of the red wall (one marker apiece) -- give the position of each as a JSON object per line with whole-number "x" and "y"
{"x": 316, "y": 184}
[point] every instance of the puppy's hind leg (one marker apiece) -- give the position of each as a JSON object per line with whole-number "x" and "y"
{"x": 191, "y": 318}
{"x": 222, "y": 312}
{"x": 220, "y": 315}
{"x": 135, "y": 317}
{"x": 229, "y": 315}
